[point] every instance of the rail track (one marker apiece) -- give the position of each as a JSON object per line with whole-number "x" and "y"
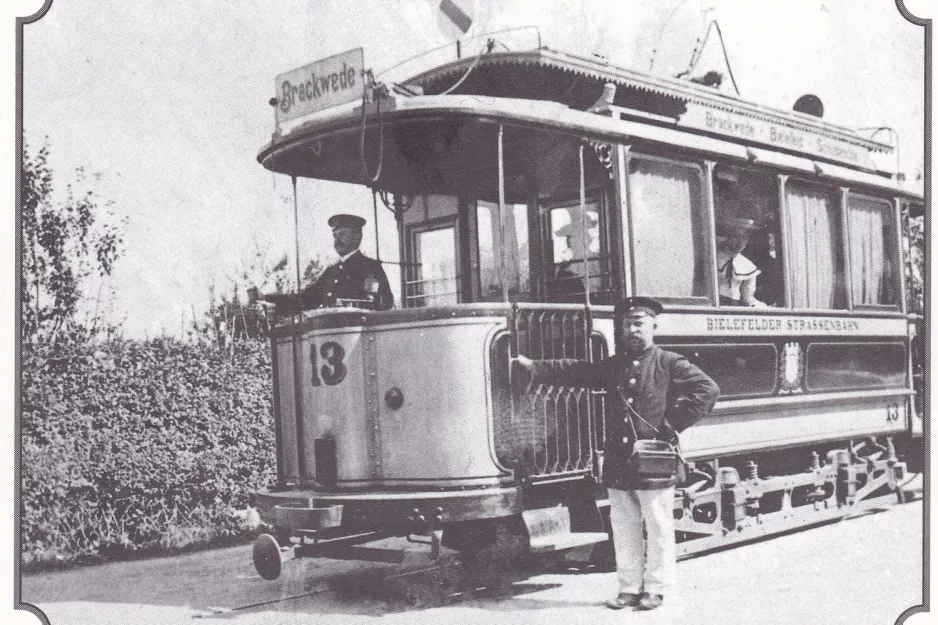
{"x": 425, "y": 581}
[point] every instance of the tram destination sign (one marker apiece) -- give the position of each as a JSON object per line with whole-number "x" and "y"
{"x": 320, "y": 85}
{"x": 753, "y": 130}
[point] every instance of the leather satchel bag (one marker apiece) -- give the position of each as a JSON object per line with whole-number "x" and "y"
{"x": 654, "y": 462}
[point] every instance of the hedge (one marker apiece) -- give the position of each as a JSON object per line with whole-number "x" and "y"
{"x": 138, "y": 446}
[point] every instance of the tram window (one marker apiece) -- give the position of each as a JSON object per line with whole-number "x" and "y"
{"x": 816, "y": 254}
{"x": 670, "y": 255}
{"x": 517, "y": 263}
{"x": 748, "y": 237}
{"x": 432, "y": 277}
{"x": 571, "y": 267}
{"x": 912, "y": 252}
{"x": 874, "y": 269}
{"x": 853, "y": 366}
{"x": 424, "y": 208}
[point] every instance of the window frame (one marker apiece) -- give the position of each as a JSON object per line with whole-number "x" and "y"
{"x": 896, "y": 251}
{"x": 598, "y": 195}
{"x": 867, "y": 345}
{"x": 412, "y": 233}
{"x": 710, "y": 298}
{"x": 475, "y": 261}
{"x": 780, "y": 179}
{"x": 910, "y": 304}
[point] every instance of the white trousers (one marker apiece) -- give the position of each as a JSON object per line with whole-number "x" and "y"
{"x": 643, "y": 564}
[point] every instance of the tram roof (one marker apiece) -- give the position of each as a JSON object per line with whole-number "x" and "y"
{"x": 540, "y": 74}
{"x": 522, "y": 88}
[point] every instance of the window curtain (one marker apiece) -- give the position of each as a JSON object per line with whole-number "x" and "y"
{"x": 868, "y": 262}
{"x": 813, "y": 256}
{"x": 665, "y": 207}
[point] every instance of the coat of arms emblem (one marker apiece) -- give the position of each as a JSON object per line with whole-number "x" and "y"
{"x": 791, "y": 368}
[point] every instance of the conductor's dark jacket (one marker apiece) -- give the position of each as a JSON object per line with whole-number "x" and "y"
{"x": 663, "y": 387}
{"x": 358, "y": 280}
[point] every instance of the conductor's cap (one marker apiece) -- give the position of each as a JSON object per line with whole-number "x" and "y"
{"x": 634, "y": 305}
{"x": 343, "y": 220}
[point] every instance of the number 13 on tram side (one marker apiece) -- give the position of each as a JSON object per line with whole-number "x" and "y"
{"x": 524, "y": 212}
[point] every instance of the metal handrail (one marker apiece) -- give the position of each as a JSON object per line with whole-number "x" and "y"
{"x": 458, "y": 43}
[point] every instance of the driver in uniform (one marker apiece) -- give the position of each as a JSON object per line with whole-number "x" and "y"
{"x": 355, "y": 281}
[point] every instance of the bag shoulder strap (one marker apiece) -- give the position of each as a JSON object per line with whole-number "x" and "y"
{"x": 676, "y": 446}
{"x": 634, "y": 412}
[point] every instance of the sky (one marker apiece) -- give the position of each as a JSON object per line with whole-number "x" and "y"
{"x": 169, "y": 102}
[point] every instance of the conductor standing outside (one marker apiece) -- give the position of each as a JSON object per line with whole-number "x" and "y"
{"x": 651, "y": 393}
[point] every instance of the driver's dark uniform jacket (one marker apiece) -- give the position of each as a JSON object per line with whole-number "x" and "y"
{"x": 663, "y": 387}
{"x": 358, "y": 280}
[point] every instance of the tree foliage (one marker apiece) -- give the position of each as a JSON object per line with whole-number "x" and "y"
{"x": 133, "y": 445}
{"x": 64, "y": 243}
{"x": 917, "y": 263}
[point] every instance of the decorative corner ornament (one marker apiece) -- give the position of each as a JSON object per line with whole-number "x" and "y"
{"x": 791, "y": 369}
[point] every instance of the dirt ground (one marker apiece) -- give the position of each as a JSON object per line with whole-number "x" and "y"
{"x": 862, "y": 571}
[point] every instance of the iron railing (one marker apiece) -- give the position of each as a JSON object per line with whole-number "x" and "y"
{"x": 432, "y": 291}
{"x": 547, "y": 429}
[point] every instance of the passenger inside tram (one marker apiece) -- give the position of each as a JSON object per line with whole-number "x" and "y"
{"x": 736, "y": 273}
{"x": 578, "y": 255}
{"x": 749, "y": 267}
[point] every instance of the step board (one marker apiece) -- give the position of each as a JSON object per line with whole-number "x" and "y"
{"x": 561, "y": 542}
{"x": 549, "y": 530}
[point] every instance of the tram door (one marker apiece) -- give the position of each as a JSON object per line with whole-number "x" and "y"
{"x": 436, "y": 281}
{"x": 432, "y": 265}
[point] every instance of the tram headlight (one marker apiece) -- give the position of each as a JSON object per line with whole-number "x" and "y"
{"x": 394, "y": 398}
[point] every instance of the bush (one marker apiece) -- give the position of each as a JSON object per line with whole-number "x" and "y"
{"x": 132, "y": 446}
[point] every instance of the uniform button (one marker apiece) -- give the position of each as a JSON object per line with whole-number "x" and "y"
{"x": 631, "y": 400}
{"x": 635, "y": 363}
{"x": 335, "y": 281}
{"x": 633, "y": 382}
{"x": 329, "y": 294}
{"x": 625, "y": 439}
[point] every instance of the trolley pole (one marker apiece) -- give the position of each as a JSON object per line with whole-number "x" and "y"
{"x": 296, "y": 238}
{"x": 584, "y": 221}
{"x": 501, "y": 212}
{"x": 374, "y": 201}
{"x": 298, "y": 394}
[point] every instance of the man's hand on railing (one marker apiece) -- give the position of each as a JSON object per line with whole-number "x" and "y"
{"x": 522, "y": 373}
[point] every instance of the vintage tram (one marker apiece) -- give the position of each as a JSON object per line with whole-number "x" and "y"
{"x": 532, "y": 189}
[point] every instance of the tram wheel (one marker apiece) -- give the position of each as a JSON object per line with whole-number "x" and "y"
{"x": 496, "y": 565}
{"x": 266, "y": 554}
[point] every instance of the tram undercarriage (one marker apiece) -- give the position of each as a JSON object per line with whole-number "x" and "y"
{"x": 739, "y": 499}
{"x": 723, "y": 502}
